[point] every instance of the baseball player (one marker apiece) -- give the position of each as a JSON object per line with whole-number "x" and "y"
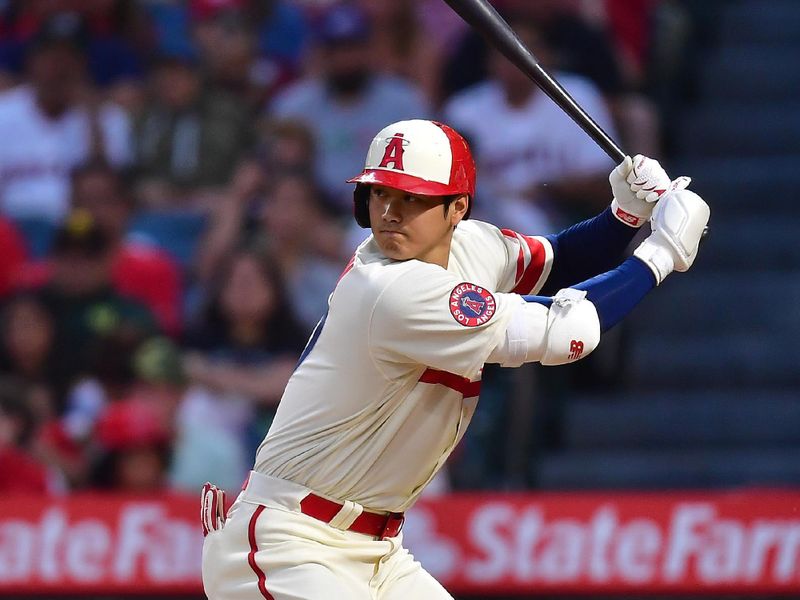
{"x": 390, "y": 378}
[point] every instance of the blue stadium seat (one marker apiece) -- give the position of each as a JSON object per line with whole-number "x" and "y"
{"x": 177, "y": 232}
{"x": 38, "y": 234}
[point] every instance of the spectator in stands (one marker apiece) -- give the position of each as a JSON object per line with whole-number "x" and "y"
{"x": 20, "y": 470}
{"x": 81, "y": 297}
{"x": 348, "y": 101}
{"x": 27, "y": 350}
{"x": 286, "y": 145}
{"x": 12, "y": 256}
{"x": 293, "y": 226}
{"x": 56, "y": 122}
{"x": 107, "y": 379}
{"x": 401, "y": 45}
{"x": 162, "y": 382}
{"x": 226, "y": 34}
{"x": 535, "y": 162}
{"x": 139, "y": 270}
{"x": 233, "y": 216}
{"x": 588, "y": 41}
{"x": 243, "y": 352}
{"x": 136, "y": 445}
{"x": 277, "y": 27}
{"x": 282, "y": 29}
{"x": 115, "y": 40}
{"x": 307, "y": 244}
{"x": 189, "y": 138}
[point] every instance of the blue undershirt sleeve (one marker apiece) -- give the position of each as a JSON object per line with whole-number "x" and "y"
{"x": 586, "y": 249}
{"x": 614, "y": 293}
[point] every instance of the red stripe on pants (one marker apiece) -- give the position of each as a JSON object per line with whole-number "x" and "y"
{"x": 251, "y": 557}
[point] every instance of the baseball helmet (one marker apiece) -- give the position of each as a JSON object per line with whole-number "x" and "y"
{"x": 419, "y": 157}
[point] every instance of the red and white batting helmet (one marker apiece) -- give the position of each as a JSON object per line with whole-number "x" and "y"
{"x": 419, "y": 157}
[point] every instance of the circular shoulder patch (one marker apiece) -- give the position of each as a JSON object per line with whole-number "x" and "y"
{"x": 471, "y": 305}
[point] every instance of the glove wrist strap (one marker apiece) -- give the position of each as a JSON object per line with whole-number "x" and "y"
{"x": 656, "y": 257}
{"x": 623, "y": 215}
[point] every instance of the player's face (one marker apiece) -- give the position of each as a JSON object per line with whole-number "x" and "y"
{"x": 409, "y": 226}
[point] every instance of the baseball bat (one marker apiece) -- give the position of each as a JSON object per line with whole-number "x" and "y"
{"x": 484, "y": 18}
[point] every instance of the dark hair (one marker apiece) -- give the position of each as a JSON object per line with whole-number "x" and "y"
{"x": 14, "y": 404}
{"x": 110, "y": 358}
{"x": 448, "y": 200}
{"x": 104, "y": 471}
{"x": 21, "y": 297}
{"x": 282, "y": 329}
{"x": 319, "y": 199}
{"x": 103, "y": 168}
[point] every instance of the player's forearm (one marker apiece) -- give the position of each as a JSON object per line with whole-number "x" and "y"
{"x": 587, "y": 249}
{"x": 614, "y": 293}
{"x": 566, "y": 327}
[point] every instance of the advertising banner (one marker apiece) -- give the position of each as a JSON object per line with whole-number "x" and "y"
{"x": 742, "y": 542}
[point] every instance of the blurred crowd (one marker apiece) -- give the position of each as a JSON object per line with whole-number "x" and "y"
{"x": 174, "y": 212}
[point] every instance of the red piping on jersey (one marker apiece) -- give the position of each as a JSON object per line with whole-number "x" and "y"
{"x": 534, "y": 271}
{"x": 347, "y": 268}
{"x": 467, "y": 388}
{"x": 215, "y": 510}
{"x": 251, "y": 556}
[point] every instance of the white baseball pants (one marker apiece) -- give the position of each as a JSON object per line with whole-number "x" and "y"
{"x": 269, "y": 550}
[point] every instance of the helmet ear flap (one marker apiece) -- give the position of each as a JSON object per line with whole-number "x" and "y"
{"x": 361, "y": 205}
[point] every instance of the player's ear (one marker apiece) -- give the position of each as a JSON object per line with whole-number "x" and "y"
{"x": 458, "y": 209}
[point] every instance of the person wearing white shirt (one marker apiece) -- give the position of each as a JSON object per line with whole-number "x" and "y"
{"x": 534, "y": 160}
{"x": 49, "y": 128}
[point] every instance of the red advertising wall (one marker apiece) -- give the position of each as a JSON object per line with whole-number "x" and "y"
{"x": 744, "y": 542}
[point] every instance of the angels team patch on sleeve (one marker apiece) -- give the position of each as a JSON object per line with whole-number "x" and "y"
{"x": 471, "y": 305}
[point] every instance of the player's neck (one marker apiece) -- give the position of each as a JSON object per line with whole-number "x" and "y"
{"x": 439, "y": 254}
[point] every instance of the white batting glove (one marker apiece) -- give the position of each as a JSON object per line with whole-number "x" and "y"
{"x": 678, "y": 222}
{"x": 637, "y": 184}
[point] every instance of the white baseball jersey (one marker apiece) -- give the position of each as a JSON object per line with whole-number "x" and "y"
{"x": 38, "y": 152}
{"x": 389, "y": 380}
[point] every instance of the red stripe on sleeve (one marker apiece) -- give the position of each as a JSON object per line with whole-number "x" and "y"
{"x": 534, "y": 268}
{"x": 520, "y": 256}
{"x": 467, "y": 388}
{"x": 251, "y": 556}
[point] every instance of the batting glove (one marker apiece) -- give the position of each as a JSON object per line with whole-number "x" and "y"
{"x": 637, "y": 184}
{"x": 678, "y": 222}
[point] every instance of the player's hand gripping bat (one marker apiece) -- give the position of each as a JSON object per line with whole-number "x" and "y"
{"x": 484, "y": 18}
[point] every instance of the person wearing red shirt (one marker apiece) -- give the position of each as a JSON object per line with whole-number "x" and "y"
{"x": 12, "y": 255}
{"x": 140, "y": 271}
{"x": 20, "y": 472}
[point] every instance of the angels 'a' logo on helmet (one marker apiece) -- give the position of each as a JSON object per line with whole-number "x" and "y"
{"x": 394, "y": 153}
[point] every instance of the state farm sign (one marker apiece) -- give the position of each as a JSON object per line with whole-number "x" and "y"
{"x": 621, "y": 542}
{"x": 100, "y": 544}
{"x": 745, "y": 542}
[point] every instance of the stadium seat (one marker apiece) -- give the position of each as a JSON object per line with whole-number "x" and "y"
{"x": 176, "y": 232}
{"x": 38, "y": 234}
